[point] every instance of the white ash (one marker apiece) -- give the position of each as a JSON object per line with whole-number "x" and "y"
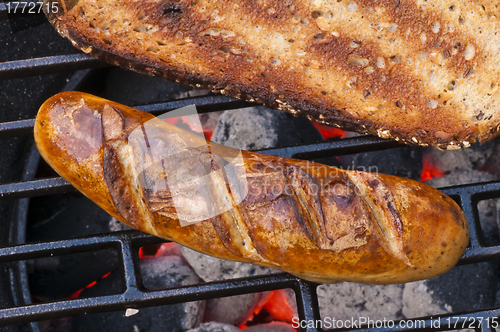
{"x": 210, "y": 268}
{"x": 419, "y": 302}
{"x": 348, "y": 300}
{"x": 234, "y": 310}
{"x": 209, "y": 120}
{"x": 117, "y": 226}
{"x": 463, "y": 288}
{"x": 489, "y": 219}
{"x": 256, "y": 128}
{"x": 169, "y": 271}
{"x": 243, "y": 129}
{"x": 470, "y": 158}
{"x": 492, "y": 164}
{"x": 291, "y": 299}
{"x": 163, "y": 272}
{"x": 215, "y": 327}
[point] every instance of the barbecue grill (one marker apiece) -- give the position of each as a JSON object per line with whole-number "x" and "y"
{"x": 22, "y": 314}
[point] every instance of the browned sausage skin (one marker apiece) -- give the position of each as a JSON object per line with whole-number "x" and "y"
{"x": 317, "y": 222}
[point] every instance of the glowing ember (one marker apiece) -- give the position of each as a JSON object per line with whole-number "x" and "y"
{"x": 141, "y": 252}
{"x": 327, "y": 131}
{"x": 172, "y": 121}
{"x": 157, "y": 250}
{"x": 430, "y": 171}
{"x": 275, "y": 307}
{"x": 93, "y": 283}
{"x": 168, "y": 249}
{"x": 257, "y": 310}
{"x": 208, "y": 134}
{"x": 184, "y": 123}
{"x": 149, "y": 250}
{"x": 279, "y": 306}
{"x": 160, "y": 250}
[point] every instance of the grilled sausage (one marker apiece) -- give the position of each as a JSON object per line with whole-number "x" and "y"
{"x": 315, "y": 221}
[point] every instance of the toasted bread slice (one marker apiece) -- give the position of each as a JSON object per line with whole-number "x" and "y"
{"x": 420, "y": 72}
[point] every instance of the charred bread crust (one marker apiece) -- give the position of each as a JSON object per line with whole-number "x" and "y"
{"x": 424, "y": 121}
{"x": 360, "y": 227}
{"x": 259, "y": 95}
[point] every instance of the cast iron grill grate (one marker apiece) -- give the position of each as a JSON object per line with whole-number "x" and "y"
{"x": 127, "y": 243}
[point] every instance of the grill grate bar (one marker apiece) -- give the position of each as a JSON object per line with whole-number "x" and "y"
{"x": 332, "y": 148}
{"x": 132, "y": 277}
{"x": 307, "y": 303}
{"x": 478, "y": 191}
{"x": 35, "y": 188}
{"x": 16, "y": 128}
{"x": 37, "y": 250}
{"x": 480, "y": 254}
{"x": 474, "y": 229}
{"x": 47, "y": 65}
{"x": 134, "y": 297}
{"x": 57, "y": 185}
{"x": 204, "y": 104}
{"x": 469, "y": 196}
